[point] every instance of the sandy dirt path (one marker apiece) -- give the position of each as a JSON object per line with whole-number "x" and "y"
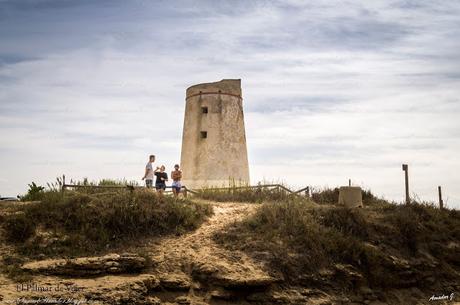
{"x": 191, "y": 266}
{"x": 198, "y": 251}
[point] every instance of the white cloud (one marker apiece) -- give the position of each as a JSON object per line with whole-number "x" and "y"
{"x": 332, "y": 90}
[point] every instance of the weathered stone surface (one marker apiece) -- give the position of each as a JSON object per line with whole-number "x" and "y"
{"x": 221, "y": 155}
{"x": 150, "y": 281}
{"x": 135, "y": 290}
{"x": 145, "y": 284}
{"x": 89, "y": 266}
{"x": 153, "y": 300}
{"x": 235, "y": 281}
{"x": 184, "y": 300}
{"x": 175, "y": 281}
{"x": 223, "y": 276}
{"x": 294, "y": 295}
{"x": 222, "y": 294}
{"x": 350, "y": 196}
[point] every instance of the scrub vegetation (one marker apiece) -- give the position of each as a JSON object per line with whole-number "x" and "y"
{"x": 382, "y": 245}
{"x": 78, "y": 223}
{"x": 292, "y": 245}
{"x": 331, "y": 195}
{"x": 236, "y": 194}
{"x": 242, "y": 193}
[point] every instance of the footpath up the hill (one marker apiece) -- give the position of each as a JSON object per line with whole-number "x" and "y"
{"x": 187, "y": 269}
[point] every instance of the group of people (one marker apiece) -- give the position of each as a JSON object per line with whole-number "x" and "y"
{"x": 161, "y": 177}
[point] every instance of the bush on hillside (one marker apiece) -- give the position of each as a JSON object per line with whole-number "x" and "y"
{"x": 347, "y": 221}
{"x": 298, "y": 241}
{"x": 325, "y": 196}
{"x": 303, "y": 240}
{"x": 91, "y": 223}
{"x": 35, "y": 192}
{"x": 18, "y": 227}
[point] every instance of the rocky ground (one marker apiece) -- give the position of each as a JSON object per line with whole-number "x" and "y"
{"x": 187, "y": 269}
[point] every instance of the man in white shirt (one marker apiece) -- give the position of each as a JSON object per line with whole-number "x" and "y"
{"x": 148, "y": 176}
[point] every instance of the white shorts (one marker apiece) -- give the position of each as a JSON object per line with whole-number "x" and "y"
{"x": 177, "y": 185}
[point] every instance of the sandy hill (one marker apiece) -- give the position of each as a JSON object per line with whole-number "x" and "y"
{"x": 292, "y": 251}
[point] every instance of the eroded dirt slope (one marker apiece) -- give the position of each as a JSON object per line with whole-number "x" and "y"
{"x": 186, "y": 269}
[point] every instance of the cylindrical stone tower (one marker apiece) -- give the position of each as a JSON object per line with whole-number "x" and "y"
{"x": 214, "y": 149}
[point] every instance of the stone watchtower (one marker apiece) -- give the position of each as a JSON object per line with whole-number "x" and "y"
{"x": 214, "y": 141}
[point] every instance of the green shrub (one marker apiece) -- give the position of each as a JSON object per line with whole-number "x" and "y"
{"x": 35, "y": 192}
{"x": 377, "y": 241}
{"x": 345, "y": 220}
{"x": 408, "y": 223}
{"x": 18, "y": 227}
{"x": 423, "y": 225}
{"x": 377, "y": 273}
{"x": 298, "y": 241}
{"x": 288, "y": 225}
{"x": 326, "y": 196}
{"x": 92, "y": 222}
{"x": 11, "y": 267}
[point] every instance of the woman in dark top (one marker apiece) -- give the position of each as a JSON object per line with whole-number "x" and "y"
{"x": 162, "y": 177}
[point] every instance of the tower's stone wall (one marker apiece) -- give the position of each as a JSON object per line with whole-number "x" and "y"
{"x": 214, "y": 141}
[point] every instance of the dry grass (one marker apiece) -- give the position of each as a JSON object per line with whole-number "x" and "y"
{"x": 88, "y": 223}
{"x": 331, "y": 196}
{"x": 236, "y": 193}
{"x": 302, "y": 240}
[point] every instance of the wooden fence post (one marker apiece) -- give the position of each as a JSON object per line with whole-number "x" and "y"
{"x": 63, "y": 185}
{"x": 405, "y": 168}
{"x": 441, "y": 203}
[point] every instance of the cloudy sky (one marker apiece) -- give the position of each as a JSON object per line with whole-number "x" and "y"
{"x": 332, "y": 89}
